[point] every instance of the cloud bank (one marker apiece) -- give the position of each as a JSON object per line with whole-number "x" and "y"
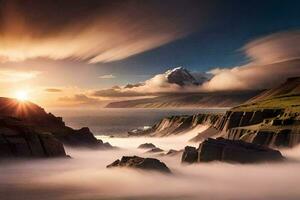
{"x": 79, "y": 99}
{"x": 273, "y": 59}
{"x": 95, "y": 31}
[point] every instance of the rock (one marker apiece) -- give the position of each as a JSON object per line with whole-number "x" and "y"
{"x": 173, "y": 152}
{"x": 155, "y": 150}
{"x": 221, "y": 149}
{"x": 190, "y": 155}
{"x": 147, "y": 146}
{"x": 141, "y": 163}
{"x": 38, "y": 119}
{"x": 17, "y": 140}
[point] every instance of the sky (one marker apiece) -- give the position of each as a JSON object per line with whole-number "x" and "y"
{"x": 62, "y": 53}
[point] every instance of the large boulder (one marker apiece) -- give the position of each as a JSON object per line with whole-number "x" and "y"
{"x": 141, "y": 163}
{"x": 235, "y": 151}
{"x": 189, "y": 155}
{"x": 147, "y": 146}
{"x": 17, "y": 140}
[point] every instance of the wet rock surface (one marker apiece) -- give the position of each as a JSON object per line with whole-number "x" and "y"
{"x": 141, "y": 163}
{"x": 221, "y": 149}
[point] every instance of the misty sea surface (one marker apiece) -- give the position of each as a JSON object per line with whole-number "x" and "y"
{"x": 110, "y": 121}
{"x": 85, "y": 176}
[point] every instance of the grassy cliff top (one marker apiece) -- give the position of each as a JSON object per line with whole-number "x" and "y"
{"x": 291, "y": 102}
{"x": 284, "y": 96}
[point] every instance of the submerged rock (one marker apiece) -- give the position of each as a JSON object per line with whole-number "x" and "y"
{"x": 230, "y": 151}
{"x": 140, "y": 163}
{"x": 147, "y": 146}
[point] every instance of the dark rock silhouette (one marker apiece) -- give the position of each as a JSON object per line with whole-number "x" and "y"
{"x": 141, "y": 163}
{"x": 147, "y": 146}
{"x": 221, "y": 149}
{"x": 32, "y": 115}
{"x": 190, "y": 155}
{"x": 18, "y": 140}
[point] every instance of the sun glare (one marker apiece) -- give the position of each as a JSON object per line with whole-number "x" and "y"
{"x": 22, "y": 95}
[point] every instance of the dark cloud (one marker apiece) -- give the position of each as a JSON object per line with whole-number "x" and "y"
{"x": 53, "y": 90}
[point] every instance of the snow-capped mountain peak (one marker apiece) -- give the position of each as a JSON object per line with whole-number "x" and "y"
{"x": 180, "y": 76}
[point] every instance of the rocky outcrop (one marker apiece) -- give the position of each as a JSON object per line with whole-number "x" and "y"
{"x": 221, "y": 149}
{"x": 147, "y": 146}
{"x": 32, "y": 115}
{"x": 18, "y": 140}
{"x": 176, "y": 124}
{"x": 141, "y": 163}
{"x": 271, "y": 119}
{"x": 155, "y": 150}
{"x": 189, "y": 155}
{"x": 269, "y": 127}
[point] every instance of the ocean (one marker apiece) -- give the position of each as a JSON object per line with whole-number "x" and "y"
{"x": 109, "y": 121}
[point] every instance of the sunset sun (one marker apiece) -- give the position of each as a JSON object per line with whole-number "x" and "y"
{"x": 22, "y": 95}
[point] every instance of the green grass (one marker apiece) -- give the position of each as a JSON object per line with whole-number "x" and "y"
{"x": 289, "y": 101}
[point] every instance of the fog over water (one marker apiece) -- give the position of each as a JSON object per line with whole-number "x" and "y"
{"x": 85, "y": 176}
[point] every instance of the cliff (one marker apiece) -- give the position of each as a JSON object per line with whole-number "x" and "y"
{"x": 18, "y": 140}
{"x": 38, "y": 119}
{"x": 271, "y": 119}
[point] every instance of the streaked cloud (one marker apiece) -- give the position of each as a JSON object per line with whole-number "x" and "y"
{"x": 273, "y": 59}
{"x": 9, "y": 75}
{"x": 107, "y": 76}
{"x": 92, "y": 31}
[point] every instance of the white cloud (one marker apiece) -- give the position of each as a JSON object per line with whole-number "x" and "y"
{"x": 107, "y": 76}
{"x": 273, "y": 59}
{"x": 7, "y": 75}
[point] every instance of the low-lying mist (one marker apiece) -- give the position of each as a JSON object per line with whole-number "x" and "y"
{"x": 85, "y": 176}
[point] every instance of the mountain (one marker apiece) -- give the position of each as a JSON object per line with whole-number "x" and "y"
{"x": 35, "y": 117}
{"x": 181, "y": 76}
{"x": 212, "y": 99}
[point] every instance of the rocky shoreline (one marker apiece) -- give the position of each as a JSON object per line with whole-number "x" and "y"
{"x": 27, "y": 131}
